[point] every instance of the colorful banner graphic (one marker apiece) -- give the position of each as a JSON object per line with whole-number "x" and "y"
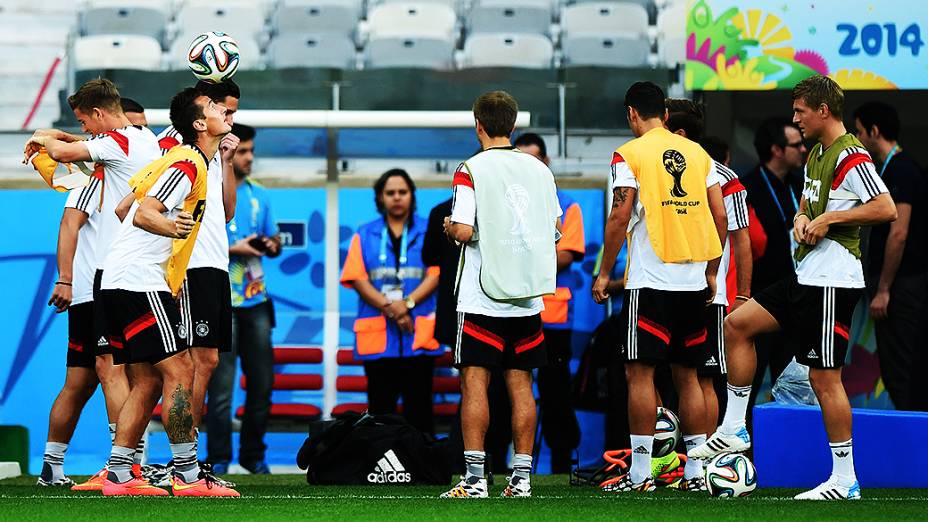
{"x": 766, "y": 44}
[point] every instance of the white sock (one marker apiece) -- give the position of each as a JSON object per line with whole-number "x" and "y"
{"x": 112, "y": 433}
{"x": 736, "y": 410}
{"x": 54, "y": 457}
{"x": 139, "y": 452}
{"x": 120, "y": 464}
{"x": 842, "y": 462}
{"x": 521, "y": 466}
{"x": 475, "y": 461}
{"x": 641, "y": 458}
{"x": 693, "y": 467}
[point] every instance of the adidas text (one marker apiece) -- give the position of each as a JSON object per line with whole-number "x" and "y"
{"x": 389, "y": 470}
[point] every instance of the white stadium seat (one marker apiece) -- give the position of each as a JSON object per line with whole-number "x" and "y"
{"x": 671, "y": 34}
{"x": 601, "y": 18}
{"x": 28, "y": 59}
{"x": 617, "y": 50}
{"x": 117, "y": 52}
{"x": 512, "y": 16}
{"x": 528, "y": 51}
{"x": 453, "y": 4}
{"x": 412, "y": 19}
{"x": 430, "y": 52}
{"x": 145, "y": 17}
{"x": 32, "y": 29}
{"x": 237, "y": 19}
{"x": 316, "y": 16}
{"x": 312, "y": 50}
{"x": 249, "y": 52}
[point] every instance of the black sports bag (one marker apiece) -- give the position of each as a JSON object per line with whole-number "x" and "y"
{"x": 372, "y": 449}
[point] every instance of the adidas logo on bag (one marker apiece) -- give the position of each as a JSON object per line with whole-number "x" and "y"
{"x": 812, "y": 355}
{"x": 389, "y": 470}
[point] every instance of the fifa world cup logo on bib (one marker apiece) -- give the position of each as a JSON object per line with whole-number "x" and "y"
{"x": 675, "y": 165}
{"x": 517, "y": 198}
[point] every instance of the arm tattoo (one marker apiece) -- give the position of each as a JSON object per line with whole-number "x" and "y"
{"x": 179, "y": 427}
{"x": 619, "y": 196}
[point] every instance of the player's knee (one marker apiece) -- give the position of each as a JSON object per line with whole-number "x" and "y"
{"x": 638, "y": 372}
{"x": 178, "y": 367}
{"x": 824, "y": 382}
{"x": 108, "y": 372}
{"x": 735, "y": 327}
{"x": 205, "y": 360}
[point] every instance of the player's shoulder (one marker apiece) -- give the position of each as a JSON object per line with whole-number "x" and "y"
{"x": 725, "y": 172}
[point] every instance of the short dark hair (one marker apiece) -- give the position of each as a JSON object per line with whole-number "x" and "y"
{"x": 243, "y": 132}
{"x": 716, "y": 147}
{"x": 381, "y": 184}
{"x": 218, "y": 92}
{"x": 130, "y": 105}
{"x": 819, "y": 90}
{"x": 880, "y": 115}
{"x": 530, "y": 138}
{"x": 771, "y": 131}
{"x": 185, "y": 111}
{"x": 647, "y": 98}
{"x": 687, "y": 115}
{"x": 496, "y": 111}
{"x": 97, "y": 93}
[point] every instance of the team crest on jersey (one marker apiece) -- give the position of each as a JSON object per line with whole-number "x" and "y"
{"x": 202, "y": 328}
{"x": 182, "y": 330}
{"x": 675, "y": 165}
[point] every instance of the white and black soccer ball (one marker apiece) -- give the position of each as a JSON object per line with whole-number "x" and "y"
{"x": 213, "y": 56}
{"x": 731, "y": 475}
{"x": 667, "y": 433}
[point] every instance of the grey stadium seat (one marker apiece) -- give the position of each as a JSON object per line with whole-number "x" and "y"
{"x": 312, "y": 50}
{"x": 144, "y": 17}
{"x": 512, "y": 16}
{"x": 117, "y": 52}
{"x": 248, "y": 49}
{"x": 316, "y": 16}
{"x": 604, "y": 18}
{"x": 671, "y": 30}
{"x": 412, "y": 19}
{"x": 528, "y": 51}
{"x": 239, "y": 19}
{"x": 618, "y": 50}
{"x": 418, "y": 52}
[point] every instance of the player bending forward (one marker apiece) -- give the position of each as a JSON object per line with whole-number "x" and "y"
{"x": 841, "y": 192}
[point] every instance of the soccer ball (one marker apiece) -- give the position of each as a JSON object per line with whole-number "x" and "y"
{"x": 731, "y": 475}
{"x": 666, "y": 433}
{"x": 213, "y": 56}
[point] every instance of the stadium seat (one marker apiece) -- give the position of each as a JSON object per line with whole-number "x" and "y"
{"x": 412, "y": 20}
{"x": 358, "y": 383}
{"x": 288, "y": 412}
{"x": 297, "y": 355}
{"x": 412, "y": 52}
{"x": 117, "y": 52}
{"x": 317, "y": 16}
{"x": 29, "y": 29}
{"x": 453, "y": 4}
{"x": 671, "y": 35}
{"x": 249, "y": 52}
{"x": 334, "y": 50}
{"x": 241, "y": 20}
{"x": 510, "y": 16}
{"x": 617, "y": 50}
{"x": 604, "y": 18}
{"x": 527, "y": 51}
{"x": 345, "y": 357}
{"x": 28, "y": 59}
{"x": 292, "y": 381}
{"x": 142, "y": 17}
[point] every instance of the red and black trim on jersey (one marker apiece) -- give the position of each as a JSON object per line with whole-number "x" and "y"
{"x": 732, "y": 187}
{"x": 859, "y": 161}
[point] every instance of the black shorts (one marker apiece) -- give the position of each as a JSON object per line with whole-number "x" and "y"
{"x": 508, "y": 343}
{"x": 206, "y": 308}
{"x": 102, "y": 343}
{"x": 143, "y": 327}
{"x": 82, "y": 341}
{"x": 819, "y": 318}
{"x": 714, "y": 363}
{"x": 664, "y": 326}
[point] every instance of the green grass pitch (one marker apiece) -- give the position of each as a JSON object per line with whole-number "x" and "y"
{"x": 288, "y": 497}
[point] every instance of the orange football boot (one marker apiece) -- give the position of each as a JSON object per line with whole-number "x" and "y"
{"x": 94, "y": 483}
{"x": 205, "y": 487}
{"x": 136, "y": 487}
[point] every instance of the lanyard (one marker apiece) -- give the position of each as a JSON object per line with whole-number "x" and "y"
{"x": 892, "y": 152}
{"x": 773, "y": 194}
{"x": 403, "y": 245}
{"x": 255, "y": 210}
